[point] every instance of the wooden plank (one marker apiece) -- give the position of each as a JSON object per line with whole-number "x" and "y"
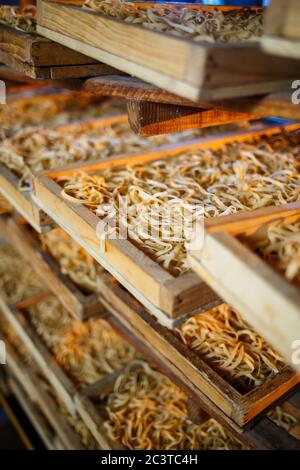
{"x": 63, "y": 386}
{"x": 132, "y": 88}
{"x": 80, "y": 305}
{"x": 147, "y": 118}
{"x": 54, "y": 72}
{"x": 38, "y": 51}
{"x": 266, "y": 300}
{"x": 190, "y": 69}
{"x": 38, "y": 57}
{"x": 170, "y": 299}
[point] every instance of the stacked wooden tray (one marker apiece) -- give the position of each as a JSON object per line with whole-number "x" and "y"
{"x": 38, "y": 57}
{"x": 282, "y": 34}
{"x": 78, "y": 302}
{"x": 21, "y": 200}
{"x": 206, "y": 387}
{"x": 32, "y": 391}
{"x": 268, "y": 302}
{"x": 188, "y": 369}
{"x": 171, "y": 299}
{"x": 190, "y": 69}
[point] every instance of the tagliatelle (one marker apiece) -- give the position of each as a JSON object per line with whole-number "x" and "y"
{"x": 31, "y": 150}
{"x": 281, "y": 248}
{"x": 282, "y": 419}
{"x": 17, "y": 279}
{"x": 209, "y": 26}
{"x": 162, "y": 198}
{"x": 231, "y": 347}
{"x": 54, "y": 110}
{"x": 147, "y": 412}
{"x": 23, "y": 18}
{"x": 73, "y": 259}
{"x": 87, "y": 351}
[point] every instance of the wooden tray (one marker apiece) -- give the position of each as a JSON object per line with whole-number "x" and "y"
{"x": 270, "y": 436}
{"x": 265, "y": 299}
{"x": 33, "y": 396}
{"x": 170, "y": 299}
{"x": 38, "y": 57}
{"x": 190, "y": 69}
{"x": 22, "y": 200}
{"x": 62, "y": 385}
{"x": 281, "y": 32}
{"x": 80, "y": 304}
{"x": 186, "y": 367}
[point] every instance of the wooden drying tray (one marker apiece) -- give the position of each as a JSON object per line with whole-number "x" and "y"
{"x": 262, "y": 435}
{"x": 171, "y": 299}
{"x": 185, "y": 67}
{"x": 38, "y": 57}
{"x": 22, "y": 200}
{"x": 34, "y": 398}
{"x": 185, "y": 367}
{"x": 281, "y": 32}
{"x": 63, "y": 386}
{"x": 134, "y": 89}
{"x": 272, "y": 437}
{"x": 80, "y": 304}
{"x": 265, "y": 299}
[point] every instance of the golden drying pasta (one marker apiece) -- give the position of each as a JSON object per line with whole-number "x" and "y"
{"x": 53, "y": 110}
{"x": 87, "y": 351}
{"x": 214, "y": 26}
{"x": 17, "y": 279}
{"x": 73, "y": 259}
{"x": 281, "y": 248}
{"x": 23, "y": 18}
{"x": 231, "y": 347}
{"x": 146, "y": 411}
{"x": 30, "y": 150}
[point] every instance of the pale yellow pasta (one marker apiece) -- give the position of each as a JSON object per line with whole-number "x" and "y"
{"x": 230, "y": 346}
{"x": 197, "y": 24}
{"x": 87, "y": 351}
{"x": 147, "y": 412}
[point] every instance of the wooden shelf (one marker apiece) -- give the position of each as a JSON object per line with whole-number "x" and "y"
{"x": 190, "y": 69}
